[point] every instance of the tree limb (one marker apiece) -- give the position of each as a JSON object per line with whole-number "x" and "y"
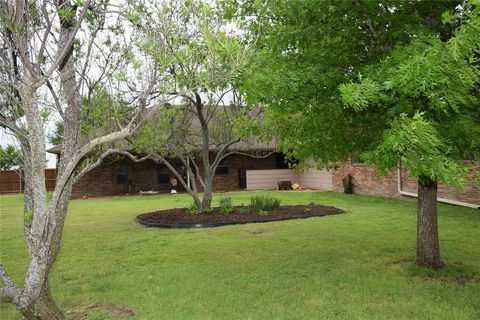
{"x": 9, "y": 291}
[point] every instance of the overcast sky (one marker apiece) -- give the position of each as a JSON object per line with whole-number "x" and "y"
{"x": 9, "y": 139}
{"x": 6, "y": 138}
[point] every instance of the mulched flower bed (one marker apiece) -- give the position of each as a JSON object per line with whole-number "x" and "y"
{"x": 181, "y": 218}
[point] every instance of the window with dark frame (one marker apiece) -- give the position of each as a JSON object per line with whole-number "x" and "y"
{"x": 122, "y": 173}
{"x": 222, "y": 168}
{"x": 163, "y": 174}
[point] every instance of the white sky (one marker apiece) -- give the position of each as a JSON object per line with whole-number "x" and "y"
{"x": 6, "y": 139}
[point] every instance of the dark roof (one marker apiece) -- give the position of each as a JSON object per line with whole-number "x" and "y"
{"x": 240, "y": 146}
{"x": 55, "y": 149}
{"x": 250, "y": 145}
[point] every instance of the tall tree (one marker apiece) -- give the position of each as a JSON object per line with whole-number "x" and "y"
{"x": 193, "y": 139}
{"x": 50, "y": 48}
{"x": 201, "y": 65}
{"x": 429, "y": 94}
{"x": 308, "y": 49}
{"x": 9, "y": 157}
{"x": 56, "y": 136}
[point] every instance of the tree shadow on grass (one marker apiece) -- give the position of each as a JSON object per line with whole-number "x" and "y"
{"x": 452, "y": 273}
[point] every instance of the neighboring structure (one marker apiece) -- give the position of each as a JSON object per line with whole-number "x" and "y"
{"x": 237, "y": 172}
{"x": 11, "y": 181}
{"x": 399, "y": 183}
{"x": 124, "y": 176}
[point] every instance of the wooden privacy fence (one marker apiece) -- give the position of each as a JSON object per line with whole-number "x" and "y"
{"x": 12, "y": 182}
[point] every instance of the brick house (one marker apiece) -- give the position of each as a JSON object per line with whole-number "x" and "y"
{"x": 123, "y": 176}
{"x": 243, "y": 172}
{"x": 399, "y": 183}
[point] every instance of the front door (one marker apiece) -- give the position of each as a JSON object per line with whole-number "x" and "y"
{"x": 242, "y": 178}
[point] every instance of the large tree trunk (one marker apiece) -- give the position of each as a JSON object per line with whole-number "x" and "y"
{"x": 428, "y": 249}
{"x": 45, "y": 233}
{"x": 44, "y": 308}
{"x": 207, "y": 195}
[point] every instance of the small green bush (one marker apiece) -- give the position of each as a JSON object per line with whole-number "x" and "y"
{"x": 243, "y": 210}
{"x": 264, "y": 203}
{"x": 226, "y": 205}
{"x": 192, "y": 208}
{"x": 207, "y": 210}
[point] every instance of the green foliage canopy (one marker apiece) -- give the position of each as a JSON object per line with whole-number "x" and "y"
{"x": 306, "y": 49}
{"x": 56, "y": 136}
{"x": 429, "y": 92}
{"x": 9, "y": 157}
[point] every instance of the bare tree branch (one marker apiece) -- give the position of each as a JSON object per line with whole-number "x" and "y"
{"x": 8, "y": 291}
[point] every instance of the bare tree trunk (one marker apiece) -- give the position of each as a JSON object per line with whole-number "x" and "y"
{"x": 27, "y": 190}
{"x": 198, "y": 202}
{"x": 428, "y": 249}
{"x": 207, "y": 195}
{"x": 44, "y": 308}
{"x": 207, "y": 188}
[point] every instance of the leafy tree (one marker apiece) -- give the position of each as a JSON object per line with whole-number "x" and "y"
{"x": 178, "y": 139}
{"x": 56, "y": 137}
{"x": 307, "y": 50}
{"x": 9, "y": 157}
{"x": 428, "y": 92}
{"x": 201, "y": 65}
{"x": 54, "y": 54}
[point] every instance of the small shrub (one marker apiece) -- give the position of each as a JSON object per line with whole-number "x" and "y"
{"x": 243, "y": 210}
{"x": 348, "y": 184}
{"x": 192, "y": 208}
{"x": 226, "y": 206}
{"x": 264, "y": 203}
{"x": 207, "y": 210}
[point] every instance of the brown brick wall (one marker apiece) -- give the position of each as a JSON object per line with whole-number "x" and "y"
{"x": 236, "y": 162}
{"x": 142, "y": 176}
{"x": 366, "y": 182}
{"x": 101, "y": 181}
{"x": 470, "y": 193}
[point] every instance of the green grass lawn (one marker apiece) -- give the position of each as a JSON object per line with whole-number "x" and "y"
{"x": 351, "y": 266}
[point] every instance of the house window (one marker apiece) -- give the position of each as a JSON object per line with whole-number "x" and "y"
{"x": 122, "y": 173}
{"x": 163, "y": 174}
{"x": 222, "y": 168}
{"x": 282, "y": 162}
